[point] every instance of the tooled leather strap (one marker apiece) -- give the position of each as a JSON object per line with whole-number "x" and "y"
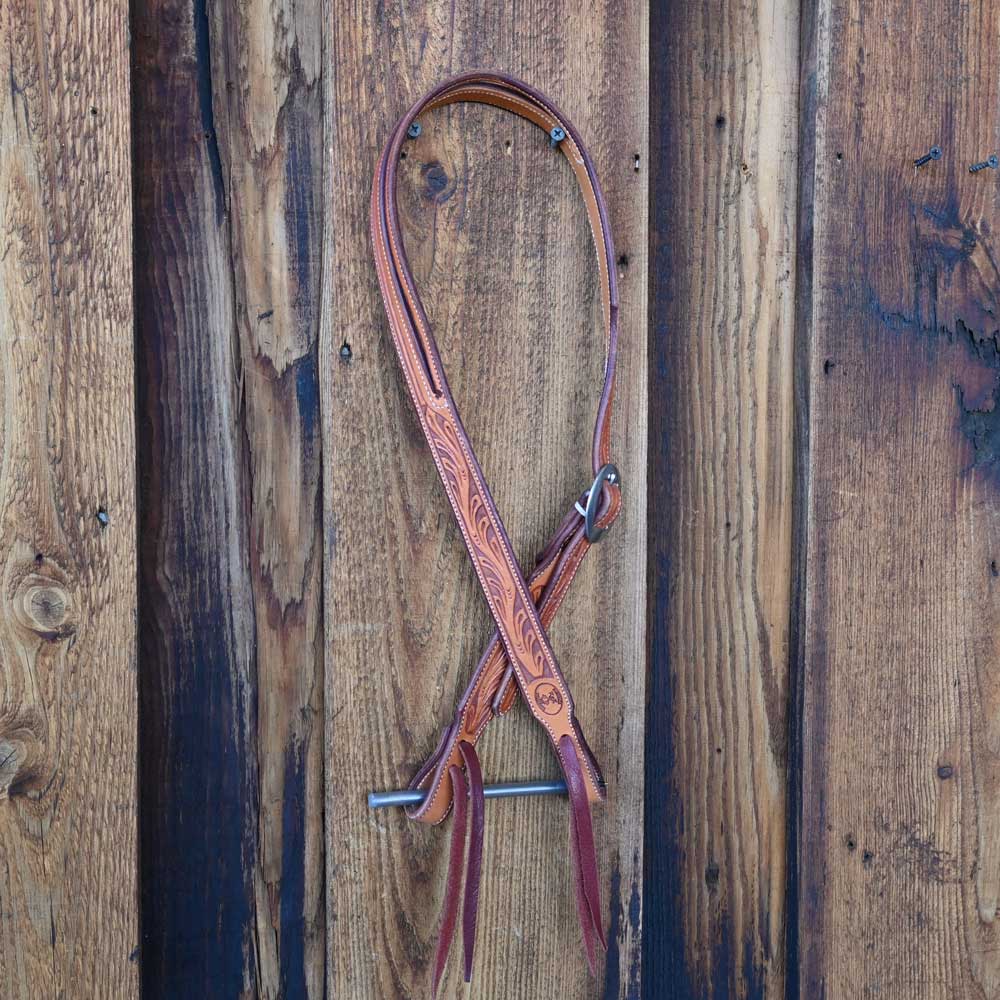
{"x": 520, "y": 652}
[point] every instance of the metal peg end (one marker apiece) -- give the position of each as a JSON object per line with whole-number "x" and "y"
{"x": 414, "y": 130}
{"x": 556, "y": 136}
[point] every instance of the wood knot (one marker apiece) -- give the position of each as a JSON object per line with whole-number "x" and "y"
{"x": 45, "y": 607}
{"x": 438, "y": 186}
{"x": 10, "y": 760}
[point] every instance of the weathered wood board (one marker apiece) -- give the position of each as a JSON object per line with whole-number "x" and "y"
{"x": 68, "y": 701}
{"x": 821, "y": 794}
{"x": 228, "y": 113}
{"x": 899, "y": 849}
{"x": 723, "y": 144}
{"x": 498, "y": 237}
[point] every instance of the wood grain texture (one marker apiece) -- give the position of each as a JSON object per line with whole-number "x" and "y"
{"x": 724, "y": 142}
{"x": 228, "y": 115}
{"x": 68, "y": 703}
{"x": 497, "y": 234}
{"x": 899, "y": 860}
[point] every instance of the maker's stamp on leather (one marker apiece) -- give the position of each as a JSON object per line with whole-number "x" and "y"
{"x": 548, "y": 699}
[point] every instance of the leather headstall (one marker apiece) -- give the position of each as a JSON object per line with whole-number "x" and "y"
{"x": 518, "y": 659}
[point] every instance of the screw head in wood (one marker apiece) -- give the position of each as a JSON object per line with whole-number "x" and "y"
{"x": 991, "y": 161}
{"x": 414, "y": 130}
{"x": 934, "y": 153}
{"x": 556, "y": 136}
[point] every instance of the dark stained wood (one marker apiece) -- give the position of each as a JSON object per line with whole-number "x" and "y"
{"x": 228, "y": 114}
{"x": 900, "y": 824}
{"x": 723, "y": 137}
{"x": 68, "y": 702}
{"x": 498, "y": 237}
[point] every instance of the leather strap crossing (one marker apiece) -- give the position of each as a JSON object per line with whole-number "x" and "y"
{"x": 519, "y": 658}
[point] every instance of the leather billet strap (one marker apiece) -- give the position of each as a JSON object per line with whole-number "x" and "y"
{"x": 519, "y": 657}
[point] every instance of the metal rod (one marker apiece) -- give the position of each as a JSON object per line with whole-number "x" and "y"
{"x": 413, "y": 797}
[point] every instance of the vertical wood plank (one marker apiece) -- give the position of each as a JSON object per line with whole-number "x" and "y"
{"x": 228, "y": 114}
{"x": 68, "y": 896}
{"x": 899, "y": 867}
{"x": 724, "y": 141}
{"x": 497, "y": 234}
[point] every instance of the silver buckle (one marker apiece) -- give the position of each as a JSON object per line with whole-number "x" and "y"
{"x": 607, "y": 474}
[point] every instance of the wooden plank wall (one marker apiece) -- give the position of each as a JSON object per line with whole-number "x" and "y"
{"x": 498, "y": 238}
{"x": 899, "y": 848}
{"x": 724, "y": 143}
{"x": 811, "y": 631}
{"x": 68, "y": 701}
{"x": 229, "y": 208}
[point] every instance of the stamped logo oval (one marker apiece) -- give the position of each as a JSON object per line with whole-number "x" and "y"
{"x": 548, "y": 699}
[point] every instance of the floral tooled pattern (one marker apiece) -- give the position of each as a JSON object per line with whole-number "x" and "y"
{"x": 486, "y": 549}
{"x": 479, "y": 707}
